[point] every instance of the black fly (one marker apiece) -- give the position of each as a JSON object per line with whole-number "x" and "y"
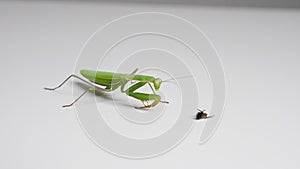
{"x": 202, "y": 115}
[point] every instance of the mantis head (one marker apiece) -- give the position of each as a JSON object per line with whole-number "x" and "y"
{"x": 157, "y": 82}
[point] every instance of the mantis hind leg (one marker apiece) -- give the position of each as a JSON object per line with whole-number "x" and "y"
{"x": 93, "y": 88}
{"x": 83, "y": 80}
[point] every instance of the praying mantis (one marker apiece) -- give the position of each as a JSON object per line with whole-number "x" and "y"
{"x": 111, "y": 81}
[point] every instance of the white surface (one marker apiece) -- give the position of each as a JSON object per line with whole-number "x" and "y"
{"x": 260, "y": 52}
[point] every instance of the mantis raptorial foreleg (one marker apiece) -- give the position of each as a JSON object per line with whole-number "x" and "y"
{"x": 143, "y": 96}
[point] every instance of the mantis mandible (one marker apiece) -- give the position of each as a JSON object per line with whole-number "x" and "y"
{"x": 111, "y": 81}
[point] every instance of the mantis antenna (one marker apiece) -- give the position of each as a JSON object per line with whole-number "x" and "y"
{"x": 167, "y": 80}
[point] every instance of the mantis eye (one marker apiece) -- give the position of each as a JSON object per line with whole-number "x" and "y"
{"x": 157, "y": 83}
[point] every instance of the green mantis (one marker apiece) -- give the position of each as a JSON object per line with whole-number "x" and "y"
{"x": 111, "y": 81}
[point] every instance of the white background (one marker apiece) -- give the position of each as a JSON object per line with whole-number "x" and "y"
{"x": 259, "y": 48}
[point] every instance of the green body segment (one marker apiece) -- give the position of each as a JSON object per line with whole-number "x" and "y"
{"x": 109, "y": 78}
